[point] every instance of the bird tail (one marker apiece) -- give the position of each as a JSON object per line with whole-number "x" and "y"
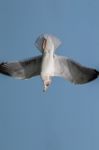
{"x": 39, "y": 41}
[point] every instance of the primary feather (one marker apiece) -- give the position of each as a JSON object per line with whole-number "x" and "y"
{"x": 73, "y": 71}
{"x": 22, "y": 69}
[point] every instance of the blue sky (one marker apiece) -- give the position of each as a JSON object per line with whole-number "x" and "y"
{"x": 66, "y": 117}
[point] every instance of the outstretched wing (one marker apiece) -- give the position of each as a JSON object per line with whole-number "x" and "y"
{"x": 73, "y": 71}
{"x": 22, "y": 69}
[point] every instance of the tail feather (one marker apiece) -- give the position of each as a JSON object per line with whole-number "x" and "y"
{"x": 39, "y": 42}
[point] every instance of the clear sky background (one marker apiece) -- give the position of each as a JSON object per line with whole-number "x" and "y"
{"x": 66, "y": 117}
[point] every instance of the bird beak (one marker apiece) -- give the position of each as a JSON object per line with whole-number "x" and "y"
{"x": 46, "y": 85}
{"x": 45, "y": 88}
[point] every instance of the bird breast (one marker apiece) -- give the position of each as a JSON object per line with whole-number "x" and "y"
{"x": 47, "y": 68}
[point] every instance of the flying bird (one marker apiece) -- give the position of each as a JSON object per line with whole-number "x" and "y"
{"x": 48, "y": 65}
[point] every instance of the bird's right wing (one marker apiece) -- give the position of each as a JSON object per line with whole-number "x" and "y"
{"x": 22, "y": 69}
{"x": 73, "y": 71}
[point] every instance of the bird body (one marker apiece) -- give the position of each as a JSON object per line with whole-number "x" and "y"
{"x": 49, "y": 65}
{"x": 47, "y": 69}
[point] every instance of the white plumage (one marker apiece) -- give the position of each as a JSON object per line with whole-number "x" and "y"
{"x": 49, "y": 65}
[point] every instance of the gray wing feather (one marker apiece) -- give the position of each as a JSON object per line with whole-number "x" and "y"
{"x": 73, "y": 71}
{"x": 22, "y": 69}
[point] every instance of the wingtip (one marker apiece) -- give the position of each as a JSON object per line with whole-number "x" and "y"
{"x": 3, "y": 69}
{"x": 97, "y": 72}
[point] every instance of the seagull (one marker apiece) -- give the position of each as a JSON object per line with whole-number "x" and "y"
{"x": 48, "y": 65}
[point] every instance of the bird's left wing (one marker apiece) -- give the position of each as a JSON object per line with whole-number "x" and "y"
{"x": 22, "y": 69}
{"x": 73, "y": 71}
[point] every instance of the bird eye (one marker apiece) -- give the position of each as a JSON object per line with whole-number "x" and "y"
{"x": 47, "y": 84}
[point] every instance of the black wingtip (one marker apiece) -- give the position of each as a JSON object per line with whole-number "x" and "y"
{"x": 97, "y": 72}
{"x": 3, "y": 69}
